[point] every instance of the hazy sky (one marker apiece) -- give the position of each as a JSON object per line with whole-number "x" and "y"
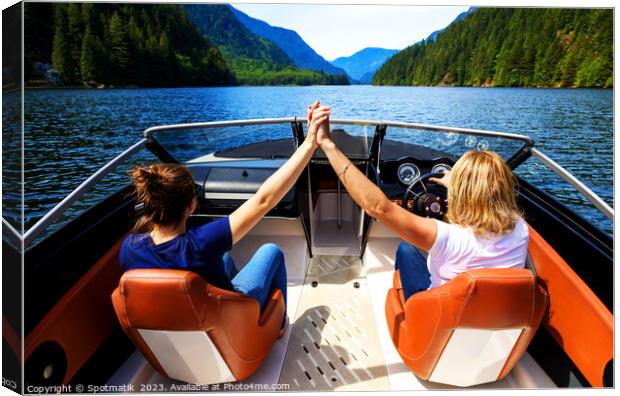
{"x": 341, "y": 30}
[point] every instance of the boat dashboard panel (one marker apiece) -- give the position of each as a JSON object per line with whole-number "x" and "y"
{"x": 269, "y": 149}
{"x": 226, "y": 182}
{"x": 223, "y": 186}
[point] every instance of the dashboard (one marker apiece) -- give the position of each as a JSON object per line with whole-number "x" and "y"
{"x": 223, "y": 186}
{"x": 395, "y": 176}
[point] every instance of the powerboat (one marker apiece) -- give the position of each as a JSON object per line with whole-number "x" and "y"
{"x": 340, "y": 264}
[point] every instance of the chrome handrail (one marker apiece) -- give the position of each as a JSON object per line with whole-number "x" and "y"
{"x": 590, "y": 195}
{"x": 62, "y": 206}
{"x": 86, "y": 185}
{"x": 11, "y": 232}
{"x": 148, "y": 133}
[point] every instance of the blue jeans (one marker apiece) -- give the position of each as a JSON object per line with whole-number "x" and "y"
{"x": 414, "y": 275}
{"x": 264, "y": 272}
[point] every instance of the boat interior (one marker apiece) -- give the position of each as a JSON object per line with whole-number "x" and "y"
{"x": 338, "y": 337}
{"x": 340, "y": 266}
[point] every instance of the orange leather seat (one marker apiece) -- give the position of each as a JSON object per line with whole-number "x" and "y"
{"x": 192, "y": 331}
{"x": 470, "y": 330}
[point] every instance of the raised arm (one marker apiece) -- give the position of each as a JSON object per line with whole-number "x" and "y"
{"x": 419, "y": 231}
{"x": 277, "y": 185}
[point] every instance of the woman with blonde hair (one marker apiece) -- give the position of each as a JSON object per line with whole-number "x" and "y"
{"x": 486, "y": 229}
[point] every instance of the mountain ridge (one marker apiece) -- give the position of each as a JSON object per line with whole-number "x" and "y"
{"x": 433, "y": 36}
{"x": 301, "y": 54}
{"x": 254, "y": 60}
{"x": 218, "y": 23}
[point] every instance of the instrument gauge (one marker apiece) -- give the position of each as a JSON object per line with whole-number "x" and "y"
{"x": 408, "y": 173}
{"x": 441, "y": 168}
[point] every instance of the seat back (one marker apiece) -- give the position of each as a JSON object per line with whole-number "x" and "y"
{"x": 470, "y": 330}
{"x": 192, "y": 331}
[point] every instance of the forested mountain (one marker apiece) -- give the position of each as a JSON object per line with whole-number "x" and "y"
{"x": 512, "y": 47}
{"x": 433, "y": 36}
{"x": 254, "y": 60}
{"x": 122, "y": 44}
{"x": 362, "y": 65}
{"x": 290, "y": 42}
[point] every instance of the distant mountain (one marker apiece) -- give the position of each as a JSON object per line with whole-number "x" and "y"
{"x": 254, "y": 60}
{"x": 362, "y": 65}
{"x": 433, "y": 36}
{"x": 290, "y": 42}
{"x": 550, "y": 47}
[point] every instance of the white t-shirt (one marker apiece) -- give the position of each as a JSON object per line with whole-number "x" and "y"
{"x": 457, "y": 250}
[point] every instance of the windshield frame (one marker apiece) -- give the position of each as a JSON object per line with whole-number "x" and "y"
{"x": 381, "y": 130}
{"x": 519, "y": 156}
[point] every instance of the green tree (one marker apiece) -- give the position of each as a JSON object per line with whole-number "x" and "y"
{"x": 74, "y": 33}
{"x": 119, "y": 47}
{"x": 61, "y": 52}
{"x": 87, "y": 60}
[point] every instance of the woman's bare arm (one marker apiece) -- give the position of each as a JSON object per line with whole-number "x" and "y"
{"x": 277, "y": 185}
{"x": 417, "y": 230}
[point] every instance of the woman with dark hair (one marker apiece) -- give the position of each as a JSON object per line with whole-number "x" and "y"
{"x": 161, "y": 238}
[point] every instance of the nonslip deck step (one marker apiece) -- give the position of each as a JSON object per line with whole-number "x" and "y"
{"x": 334, "y": 344}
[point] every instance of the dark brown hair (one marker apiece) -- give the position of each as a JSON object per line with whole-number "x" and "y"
{"x": 165, "y": 190}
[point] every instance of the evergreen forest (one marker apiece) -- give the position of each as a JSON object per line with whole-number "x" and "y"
{"x": 118, "y": 44}
{"x": 511, "y": 47}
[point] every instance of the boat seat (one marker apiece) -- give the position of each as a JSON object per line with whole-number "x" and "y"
{"x": 470, "y": 330}
{"x": 192, "y": 331}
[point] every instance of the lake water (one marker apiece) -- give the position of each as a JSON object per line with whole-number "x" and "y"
{"x": 69, "y": 134}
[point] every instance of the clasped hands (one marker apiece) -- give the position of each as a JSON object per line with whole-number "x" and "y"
{"x": 319, "y": 135}
{"x": 318, "y": 124}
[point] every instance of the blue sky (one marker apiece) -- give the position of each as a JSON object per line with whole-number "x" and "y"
{"x": 341, "y": 30}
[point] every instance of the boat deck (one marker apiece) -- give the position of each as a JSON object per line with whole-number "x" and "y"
{"x": 334, "y": 343}
{"x": 337, "y": 337}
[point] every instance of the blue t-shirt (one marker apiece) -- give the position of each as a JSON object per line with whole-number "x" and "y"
{"x": 199, "y": 250}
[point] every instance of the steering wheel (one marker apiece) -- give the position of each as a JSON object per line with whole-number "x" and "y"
{"x": 426, "y": 203}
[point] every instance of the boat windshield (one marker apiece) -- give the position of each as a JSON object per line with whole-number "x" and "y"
{"x": 270, "y": 141}
{"x": 400, "y": 141}
{"x": 277, "y": 140}
{"x": 192, "y": 144}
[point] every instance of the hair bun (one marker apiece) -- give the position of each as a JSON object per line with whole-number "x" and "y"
{"x": 165, "y": 190}
{"x": 146, "y": 178}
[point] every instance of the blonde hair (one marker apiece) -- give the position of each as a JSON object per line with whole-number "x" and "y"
{"x": 482, "y": 194}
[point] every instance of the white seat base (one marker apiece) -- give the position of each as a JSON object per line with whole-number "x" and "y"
{"x": 188, "y": 356}
{"x": 474, "y": 356}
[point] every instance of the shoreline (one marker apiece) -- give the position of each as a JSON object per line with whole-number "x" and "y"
{"x": 79, "y": 87}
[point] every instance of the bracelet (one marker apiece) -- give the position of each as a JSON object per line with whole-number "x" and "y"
{"x": 344, "y": 170}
